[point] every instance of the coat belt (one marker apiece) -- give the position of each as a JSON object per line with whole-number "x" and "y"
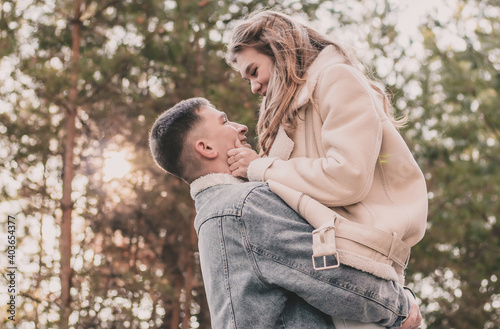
{"x": 330, "y": 225}
{"x": 387, "y": 244}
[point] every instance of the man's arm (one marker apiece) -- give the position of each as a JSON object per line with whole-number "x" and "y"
{"x": 278, "y": 243}
{"x": 237, "y": 298}
{"x": 414, "y": 320}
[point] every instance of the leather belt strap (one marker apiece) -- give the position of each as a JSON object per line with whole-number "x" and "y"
{"x": 384, "y": 243}
{"x": 330, "y": 225}
{"x": 324, "y": 245}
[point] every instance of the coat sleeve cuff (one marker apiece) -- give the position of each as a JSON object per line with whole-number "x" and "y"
{"x": 258, "y": 167}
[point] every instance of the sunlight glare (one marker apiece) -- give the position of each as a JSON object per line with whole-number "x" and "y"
{"x": 115, "y": 165}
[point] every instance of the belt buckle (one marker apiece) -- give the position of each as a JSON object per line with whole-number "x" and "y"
{"x": 325, "y": 267}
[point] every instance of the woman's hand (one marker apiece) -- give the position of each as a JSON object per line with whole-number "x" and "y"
{"x": 239, "y": 159}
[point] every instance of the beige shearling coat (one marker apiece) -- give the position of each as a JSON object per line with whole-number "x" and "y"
{"x": 346, "y": 154}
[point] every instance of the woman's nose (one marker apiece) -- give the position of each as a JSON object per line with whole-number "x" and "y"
{"x": 255, "y": 86}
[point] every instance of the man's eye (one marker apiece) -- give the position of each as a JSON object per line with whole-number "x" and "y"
{"x": 254, "y": 72}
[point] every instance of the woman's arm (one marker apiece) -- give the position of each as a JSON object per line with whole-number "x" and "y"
{"x": 351, "y": 138}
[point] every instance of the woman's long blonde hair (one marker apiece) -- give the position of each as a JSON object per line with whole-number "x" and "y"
{"x": 293, "y": 47}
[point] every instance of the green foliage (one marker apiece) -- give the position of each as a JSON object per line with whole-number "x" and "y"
{"x": 134, "y": 253}
{"x": 458, "y": 143}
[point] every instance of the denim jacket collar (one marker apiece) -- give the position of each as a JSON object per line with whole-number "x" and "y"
{"x": 204, "y": 182}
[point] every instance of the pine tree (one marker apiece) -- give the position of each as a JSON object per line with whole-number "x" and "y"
{"x": 88, "y": 80}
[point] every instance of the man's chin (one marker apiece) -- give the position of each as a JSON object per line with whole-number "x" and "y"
{"x": 245, "y": 144}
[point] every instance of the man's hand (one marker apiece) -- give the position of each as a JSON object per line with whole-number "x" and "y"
{"x": 414, "y": 319}
{"x": 239, "y": 159}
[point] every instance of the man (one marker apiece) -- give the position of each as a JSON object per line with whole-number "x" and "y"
{"x": 255, "y": 251}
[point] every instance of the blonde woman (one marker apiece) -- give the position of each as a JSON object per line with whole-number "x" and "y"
{"x": 327, "y": 131}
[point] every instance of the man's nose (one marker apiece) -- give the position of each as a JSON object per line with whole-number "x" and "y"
{"x": 242, "y": 129}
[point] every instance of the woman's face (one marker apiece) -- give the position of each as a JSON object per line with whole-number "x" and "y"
{"x": 255, "y": 68}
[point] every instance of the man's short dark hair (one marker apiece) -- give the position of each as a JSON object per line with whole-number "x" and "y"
{"x": 169, "y": 133}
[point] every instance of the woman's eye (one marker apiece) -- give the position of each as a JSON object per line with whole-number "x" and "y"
{"x": 254, "y": 72}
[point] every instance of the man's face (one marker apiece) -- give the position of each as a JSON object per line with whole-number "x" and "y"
{"x": 223, "y": 133}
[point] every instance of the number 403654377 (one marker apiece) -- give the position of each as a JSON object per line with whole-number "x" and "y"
{"x": 11, "y": 225}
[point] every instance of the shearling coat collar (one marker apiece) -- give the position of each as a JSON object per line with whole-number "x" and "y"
{"x": 283, "y": 146}
{"x": 326, "y": 58}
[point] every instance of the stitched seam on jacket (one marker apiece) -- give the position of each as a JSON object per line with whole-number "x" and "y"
{"x": 385, "y": 186}
{"x": 236, "y": 211}
{"x": 379, "y": 136}
{"x": 226, "y": 270}
{"x": 248, "y": 246}
{"x": 315, "y": 275}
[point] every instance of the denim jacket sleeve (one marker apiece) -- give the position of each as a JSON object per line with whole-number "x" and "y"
{"x": 262, "y": 249}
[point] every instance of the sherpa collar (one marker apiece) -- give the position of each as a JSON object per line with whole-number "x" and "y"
{"x": 326, "y": 58}
{"x": 204, "y": 182}
{"x": 283, "y": 146}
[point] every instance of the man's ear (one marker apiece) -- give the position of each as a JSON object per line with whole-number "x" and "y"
{"x": 204, "y": 148}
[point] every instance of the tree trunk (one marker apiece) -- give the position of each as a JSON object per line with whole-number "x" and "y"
{"x": 190, "y": 277}
{"x": 176, "y": 309}
{"x": 68, "y": 172}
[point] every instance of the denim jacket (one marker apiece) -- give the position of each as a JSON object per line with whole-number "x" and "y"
{"x": 255, "y": 251}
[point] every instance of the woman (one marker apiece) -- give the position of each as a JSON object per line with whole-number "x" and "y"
{"x": 327, "y": 130}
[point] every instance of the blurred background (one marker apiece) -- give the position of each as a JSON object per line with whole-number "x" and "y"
{"x": 105, "y": 238}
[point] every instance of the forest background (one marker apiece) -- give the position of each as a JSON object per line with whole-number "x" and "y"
{"x": 104, "y": 239}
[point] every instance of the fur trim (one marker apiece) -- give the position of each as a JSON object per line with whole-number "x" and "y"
{"x": 327, "y": 57}
{"x": 258, "y": 167}
{"x": 281, "y": 149}
{"x": 368, "y": 265}
{"x": 283, "y": 145}
{"x": 302, "y": 95}
{"x": 204, "y": 182}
